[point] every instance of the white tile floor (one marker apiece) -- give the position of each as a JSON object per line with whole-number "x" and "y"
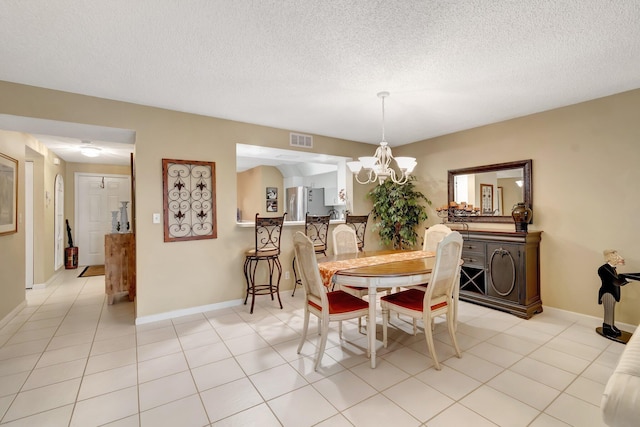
{"x": 69, "y": 359}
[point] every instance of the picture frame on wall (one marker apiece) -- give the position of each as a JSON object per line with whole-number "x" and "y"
{"x": 272, "y": 193}
{"x": 8, "y": 195}
{"x": 272, "y": 199}
{"x": 189, "y": 200}
{"x": 486, "y": 192}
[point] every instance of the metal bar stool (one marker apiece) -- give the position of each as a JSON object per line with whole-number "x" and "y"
{"x": 316, "y": 228}
{"x": 267, "y": 248}
{"x": 359, "y": 225}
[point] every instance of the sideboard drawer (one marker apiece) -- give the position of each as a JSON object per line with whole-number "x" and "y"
{"x": 473, "y": 254}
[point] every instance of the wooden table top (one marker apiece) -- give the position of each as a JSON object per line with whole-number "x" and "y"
{"x": 422, "y": 265}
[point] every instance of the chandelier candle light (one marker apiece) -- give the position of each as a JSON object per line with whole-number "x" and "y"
{"x": 378, "y": 167}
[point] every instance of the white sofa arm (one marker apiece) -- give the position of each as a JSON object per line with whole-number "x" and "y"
{"x": 620, "y": 404}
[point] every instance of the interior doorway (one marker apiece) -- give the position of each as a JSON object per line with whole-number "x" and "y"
{"x": 28, "y": 224}
{"x": 96, "y": 197}
{"x": 58, "y": 222}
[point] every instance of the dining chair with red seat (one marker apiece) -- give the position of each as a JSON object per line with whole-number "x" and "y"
{"x": 438, "y": 299}
{"x": 345, "y": 241}
{"x": 328, "y": 306}
{"x": 432, "y": 236}
{"x": 316, "y": 228}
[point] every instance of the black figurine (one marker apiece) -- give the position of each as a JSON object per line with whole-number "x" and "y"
{"x": 609, "y": 293}
{"x": 69, "y": 234}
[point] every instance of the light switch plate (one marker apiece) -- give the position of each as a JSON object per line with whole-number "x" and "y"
{"x": 156, "y": 218}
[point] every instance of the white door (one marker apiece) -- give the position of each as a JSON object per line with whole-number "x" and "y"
{"x": 96, "y": 197}
{"x": 28, "y": 223}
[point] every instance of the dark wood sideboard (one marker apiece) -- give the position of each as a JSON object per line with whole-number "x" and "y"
{"x": 502, "y": 270}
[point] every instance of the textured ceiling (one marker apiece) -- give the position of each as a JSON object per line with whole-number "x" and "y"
{"x": 315, "y": 66}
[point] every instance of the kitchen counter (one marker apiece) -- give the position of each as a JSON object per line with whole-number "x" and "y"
{"x": 247, "y": 224}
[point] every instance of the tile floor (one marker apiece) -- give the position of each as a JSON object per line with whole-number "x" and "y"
{"x": 69, "y": 359}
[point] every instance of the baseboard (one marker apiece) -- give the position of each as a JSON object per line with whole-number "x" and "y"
{"x": 597, "y": 321}
{"x": 49, "y": 281}
{"x": 187, "y": 311}
{"x": 6, "y": 319}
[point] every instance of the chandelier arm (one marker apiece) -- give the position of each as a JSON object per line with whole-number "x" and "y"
{"x": 403, "y": 180}
{"x": 372, "y": 176}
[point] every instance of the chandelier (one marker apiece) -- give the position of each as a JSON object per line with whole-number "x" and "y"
{"x": 378, "y": 167}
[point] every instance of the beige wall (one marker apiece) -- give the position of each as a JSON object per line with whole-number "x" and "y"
{"x": 585, "y": 190}
{"x": 584, "y": 172}
{"x": 44, "y": 174}
{"x": 178, "y": 275}
{"x": 252, "y": 186}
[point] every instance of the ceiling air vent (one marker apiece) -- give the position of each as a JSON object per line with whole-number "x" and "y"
{"x": 299, "y": 140}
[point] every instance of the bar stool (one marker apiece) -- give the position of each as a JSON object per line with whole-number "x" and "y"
{"x": 359, "y": 225}
{"x": 316, "y": 228}
{"x": 267, "y": 248}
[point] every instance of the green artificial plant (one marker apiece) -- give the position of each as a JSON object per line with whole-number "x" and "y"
{"x": 397, "y": 211}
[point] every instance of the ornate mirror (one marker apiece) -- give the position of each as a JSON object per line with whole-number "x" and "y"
{"x": 488, "y": 193}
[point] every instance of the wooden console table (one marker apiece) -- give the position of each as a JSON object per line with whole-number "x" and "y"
{"x": 502, "y": 270}
{"x": 120, "y": 264}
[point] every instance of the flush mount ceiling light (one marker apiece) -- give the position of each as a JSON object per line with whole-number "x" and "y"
{"x": 378, "y": 167}
{"x": 89, "y": 150}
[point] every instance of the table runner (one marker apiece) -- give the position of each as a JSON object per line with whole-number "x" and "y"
{"x": 328, "y": 269}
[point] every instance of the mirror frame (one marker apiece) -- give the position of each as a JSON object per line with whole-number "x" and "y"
{"x": 526, "y": 166}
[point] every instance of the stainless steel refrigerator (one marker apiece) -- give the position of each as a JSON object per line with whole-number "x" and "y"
{"x": 301, "y": 200}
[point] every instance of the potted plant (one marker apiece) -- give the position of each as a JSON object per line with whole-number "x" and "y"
{"x": 397, "y": 211}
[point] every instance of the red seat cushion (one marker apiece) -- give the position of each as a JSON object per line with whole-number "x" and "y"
{"x": 412, "y": 299}
{"x": 342, "y": 302}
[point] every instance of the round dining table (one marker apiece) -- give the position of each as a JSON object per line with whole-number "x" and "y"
{"x": 375, "y": 270}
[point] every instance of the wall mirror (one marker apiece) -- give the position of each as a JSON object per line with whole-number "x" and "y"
{"x": 488, "y": 193}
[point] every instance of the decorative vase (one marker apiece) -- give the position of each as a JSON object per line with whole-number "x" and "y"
{"x": 522, "y": 216}
{"x": 124, "y": 218}
{"x": 114, "y": 221}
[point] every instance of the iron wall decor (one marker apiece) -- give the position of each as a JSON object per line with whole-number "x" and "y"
{"x": 8, "y": 195}
{"x": 486, "y": 190}
{"x": 189, "y": 200}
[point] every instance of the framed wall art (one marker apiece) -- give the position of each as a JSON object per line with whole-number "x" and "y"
{"x": 189, "y": 200}
{"x": 8, "y": 195}
{"x": 486, "y": 191}
{"x": 272, "y": 199}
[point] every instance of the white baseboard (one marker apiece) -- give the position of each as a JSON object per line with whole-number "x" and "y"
{"x": 49, "y": 281}
{"x": 184, "y": 312}
{"x": 597, "y": 321}
{"x": 12, "y": 314}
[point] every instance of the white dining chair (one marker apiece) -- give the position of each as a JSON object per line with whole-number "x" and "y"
{"x": 327, "y": 306}
{"x": 432, "y": 236}
{"x": 345, "y": 241}
{"x": 438, "y": 299}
